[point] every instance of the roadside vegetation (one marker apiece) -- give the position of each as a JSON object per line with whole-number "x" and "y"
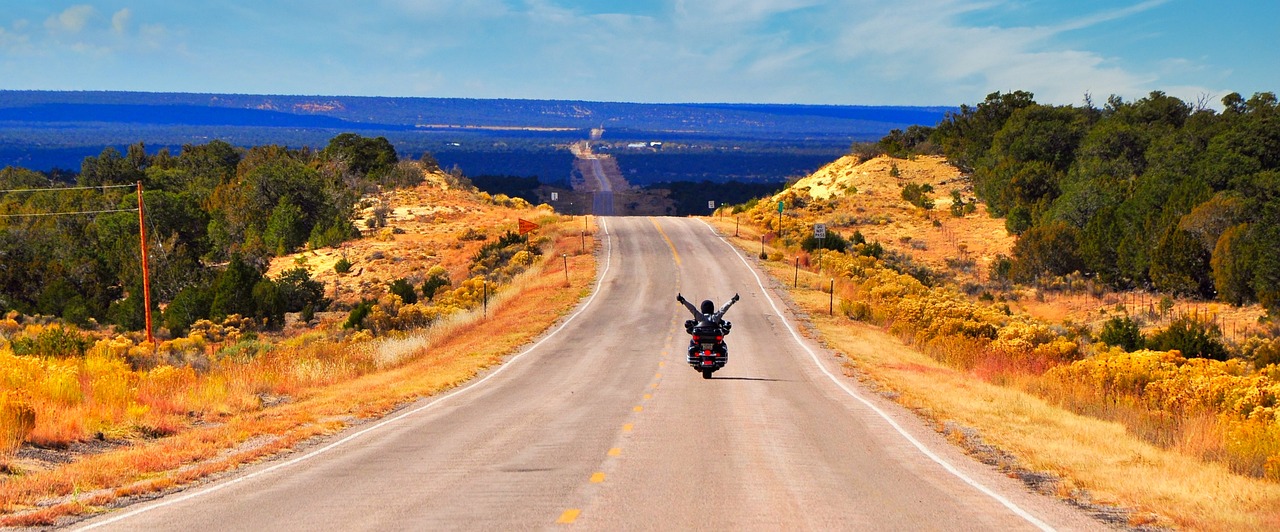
{"x": 1198, "y": 411}
{"x": 91, "y": 413}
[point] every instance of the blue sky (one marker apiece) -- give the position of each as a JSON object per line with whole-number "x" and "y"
{"x": 860, "y": 52}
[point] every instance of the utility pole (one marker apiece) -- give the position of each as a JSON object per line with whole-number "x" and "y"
{"x": 146, "y": 273}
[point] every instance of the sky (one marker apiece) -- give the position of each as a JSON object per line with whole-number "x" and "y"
{"x": 851, "y": 52}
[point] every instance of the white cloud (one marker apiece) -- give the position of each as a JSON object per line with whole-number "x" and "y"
{"x": 120, "y": 20}
{"x": 72, "y": 20}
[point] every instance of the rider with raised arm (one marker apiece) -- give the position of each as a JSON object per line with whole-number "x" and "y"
{"x": 705, "y": 318}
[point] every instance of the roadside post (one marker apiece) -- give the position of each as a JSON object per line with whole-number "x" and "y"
{"x": 820, "y": 234}
{"x": 831, "y": 302}
{"x": 781, "y": 206}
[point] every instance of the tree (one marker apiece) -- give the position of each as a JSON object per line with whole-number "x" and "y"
{"x": 233, "y": 289}
{"x": 1180, "y": 265}
{"x": 368, "y": 157}
{"x": 300, "y": 291}
{"x": 1231, "y": 264}
{"x": 1049, "y": 248}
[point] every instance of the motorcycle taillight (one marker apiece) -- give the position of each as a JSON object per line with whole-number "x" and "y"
{"x": 719, "y": 338}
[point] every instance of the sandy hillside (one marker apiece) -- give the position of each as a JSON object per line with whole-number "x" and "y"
{"x": 850, "y": 194}
{"x": 424, "y": 222}
{"x": 867, "y": 197}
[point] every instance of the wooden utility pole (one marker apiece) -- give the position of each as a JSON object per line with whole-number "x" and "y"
{"x": 146, "y": 273}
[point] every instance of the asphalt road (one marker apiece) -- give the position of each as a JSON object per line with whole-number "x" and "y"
{"x": 601, "y": 426}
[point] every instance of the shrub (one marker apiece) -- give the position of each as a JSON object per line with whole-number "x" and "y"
{"x": 355, "y": 320}
{"x": 53, "y": 341}
{"x": 437, "y": 278}
{"x": 405, "y": 290}
{"x": 1192, "y": 338}
{"x": 342, "y": 266}
{"x": 918, "y": 195}
{"x": 1123, "y": 333}
{"x": 834, "y": 241}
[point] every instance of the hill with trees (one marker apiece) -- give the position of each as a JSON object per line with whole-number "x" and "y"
{"x": 1154, "y": 193}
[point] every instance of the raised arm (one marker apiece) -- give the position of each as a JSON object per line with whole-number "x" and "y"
{"x": 725, "y": 308}
{"x": 696, "y": 314}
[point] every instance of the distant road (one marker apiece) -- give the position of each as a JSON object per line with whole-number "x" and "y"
{"x": 601, "y": 426}
{"x": 598, "y": 183}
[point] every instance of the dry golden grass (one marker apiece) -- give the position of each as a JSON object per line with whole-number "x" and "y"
{"x": 329, "y": 383}
{"x": 1114, "y": 466}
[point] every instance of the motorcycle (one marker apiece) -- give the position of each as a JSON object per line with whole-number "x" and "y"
{"x": 707, "y": 350}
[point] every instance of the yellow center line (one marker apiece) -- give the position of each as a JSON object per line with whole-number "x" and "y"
{"x": 615, "y": 451}
{"x": 638, "y": 408}
{"x": 660, "y": 364}
{"x": 654, "y": 385}
{"x": 648, "y": 396}
{"x": 597, "y": 478}
{"x": 628, "y": 427}
{"x": 674, "y": 253}
{"x": 657, "y": 375}
{"x": 569, "y": 516}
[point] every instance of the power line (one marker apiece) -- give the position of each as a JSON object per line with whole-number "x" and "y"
{"x": 65, "y": 213}
{"x": 60, "y": 189}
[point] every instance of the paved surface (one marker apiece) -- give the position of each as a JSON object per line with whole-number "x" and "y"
{"x": 601, "y": 426}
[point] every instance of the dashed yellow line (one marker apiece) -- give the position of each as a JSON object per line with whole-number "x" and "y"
{"x": 674, "y": 253}
{"x": 615, "y": 451}
{"x": 597, "y": 478}
{"x": 569, "y": 516}
{"x": 648, "y": 396}
{"x": 627, "y": 427}
{"x": 638, "y": 408}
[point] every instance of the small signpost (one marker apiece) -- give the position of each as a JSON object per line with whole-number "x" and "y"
{"x": 555, "y": 196}
{"x": 525, "y": 225}
{"x": 711, "y": 204}
{"x": 820, "y": 233}
{"x": 782, "y": 205}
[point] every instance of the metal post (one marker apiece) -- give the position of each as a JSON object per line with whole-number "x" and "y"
{"x": 146, "y": 273}
{"x": 796, "y": 283}
{"x": 565, "y": 256}
{"x": 831, "y": 303}
{"x": 485, "y": 298}
{"x": 762, "y": 245}
{"x": 736, "y": 222}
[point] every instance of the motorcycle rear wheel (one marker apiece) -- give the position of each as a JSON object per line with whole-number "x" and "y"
{"x": 706, "y": 373}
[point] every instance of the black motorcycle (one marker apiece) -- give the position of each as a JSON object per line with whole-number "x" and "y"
{"x": 707, "y": 350}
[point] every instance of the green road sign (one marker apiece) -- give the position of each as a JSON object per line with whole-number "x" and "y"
{"x": 782, "y": 205}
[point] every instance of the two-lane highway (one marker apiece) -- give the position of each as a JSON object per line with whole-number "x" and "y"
{"x": 601, "y": 426}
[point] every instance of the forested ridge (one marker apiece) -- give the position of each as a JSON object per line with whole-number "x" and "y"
{"x": 1156, "y": 193}
{"x": 215, "y": 215}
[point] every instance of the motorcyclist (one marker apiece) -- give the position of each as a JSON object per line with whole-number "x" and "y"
{"x": 706, "y": 317}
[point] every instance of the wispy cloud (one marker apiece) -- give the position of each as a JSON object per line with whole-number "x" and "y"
{"x": 72, "y": 20}
{"x": 120, "y": 20}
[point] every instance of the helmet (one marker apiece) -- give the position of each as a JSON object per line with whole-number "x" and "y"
{"x": 708, "y": 307}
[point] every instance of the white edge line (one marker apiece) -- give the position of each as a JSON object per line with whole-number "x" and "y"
{"x": 844, "y": 386}
{"x": 380, "y": 424}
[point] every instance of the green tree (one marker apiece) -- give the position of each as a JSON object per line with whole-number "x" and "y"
{"x": 233, "y": 289}
{"x": 1122, "y": 332}
{"x": 1180, "y": 265}
{"x": 1046, "y": 249}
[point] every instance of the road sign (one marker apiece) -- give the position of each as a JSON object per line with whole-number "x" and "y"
{"x": 526, "y": 226}
{"x": 711, "y": 204}
{"x": 555, "y": 196}
{"x": 819, "y": 231}
{"x": 782, "y": 205}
